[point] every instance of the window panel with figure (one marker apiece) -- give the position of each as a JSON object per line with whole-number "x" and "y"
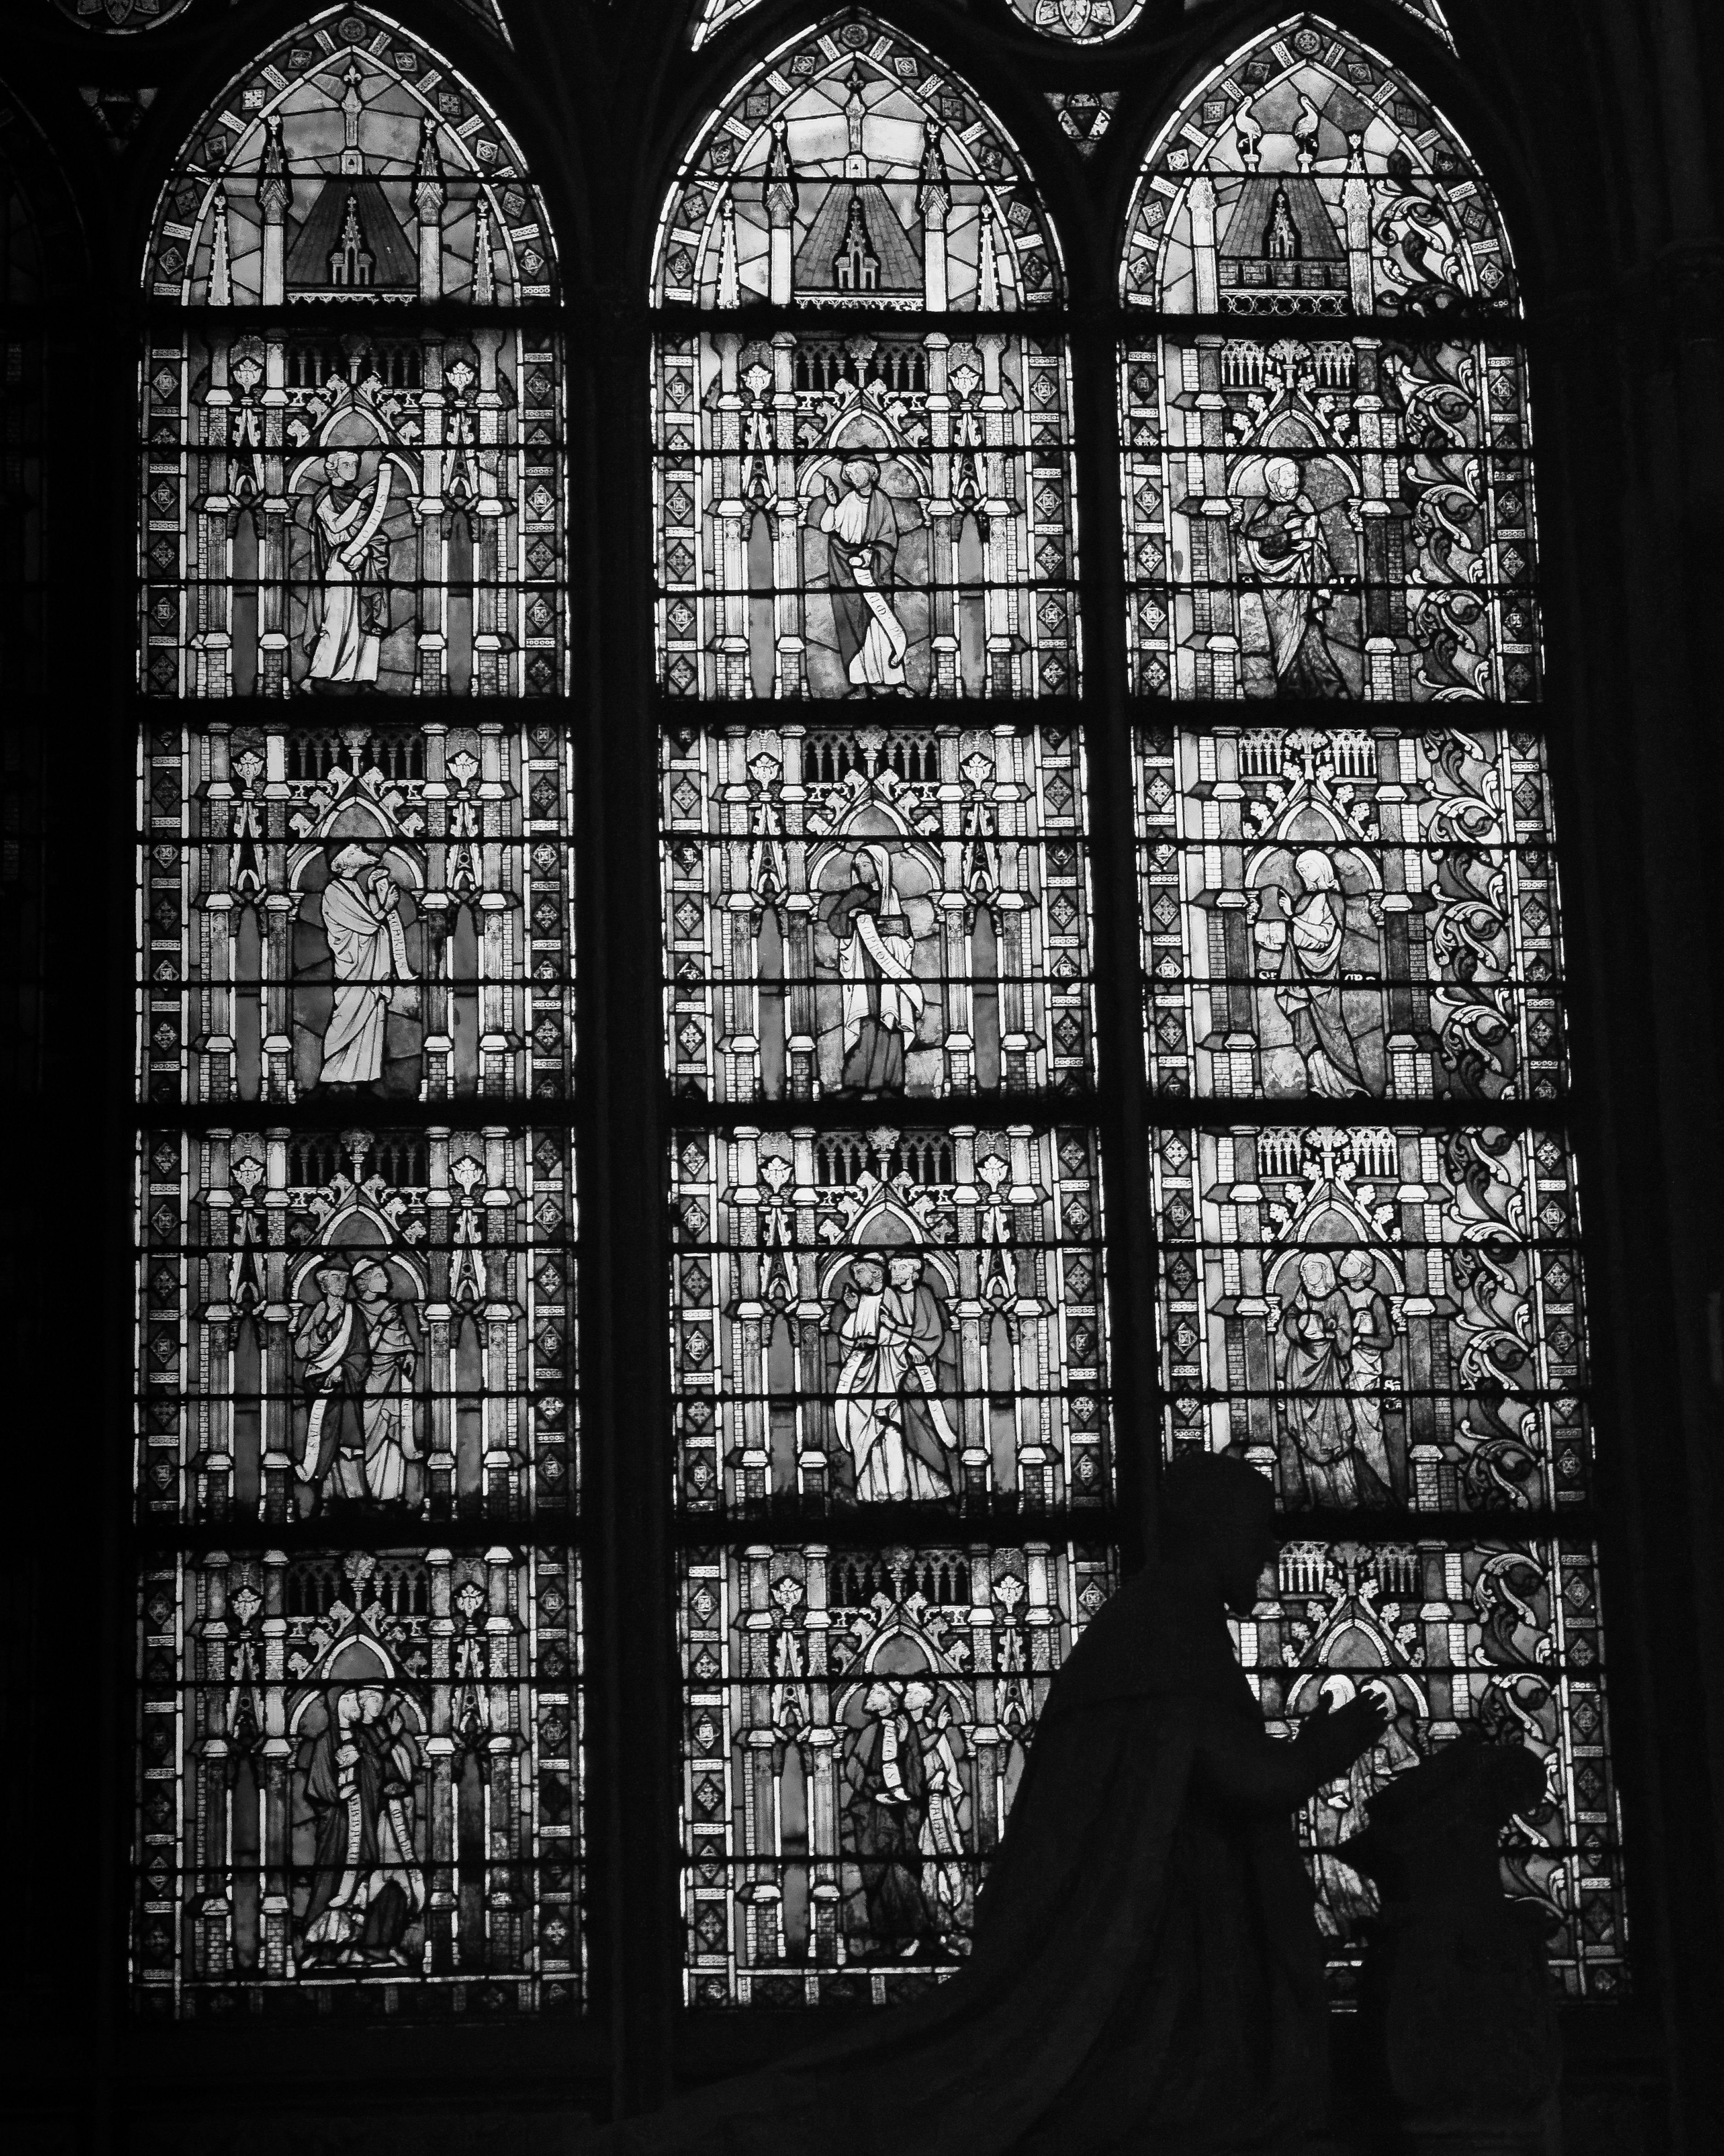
{"x": 370, "y": 912}
{"x": 908, "y": 1317}
{"x": 857, "y": 1724}
{"x": 1379, "y": 1319}
{"x": 338, "y": 502}
{"x": 371, "y": 1327}
{"x": 1350, "y": 916}
{"x": 861, "y": 915}
{"x": 860, "y": 510}
{"x": 1326, "y": 491}
{"x": 1491, "y": 1639}
{"x": 358, "y": 1784}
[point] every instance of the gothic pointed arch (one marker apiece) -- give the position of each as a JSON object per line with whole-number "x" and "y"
{"x": 359, "y": 1604}
{"x": 1364, "y": 1181}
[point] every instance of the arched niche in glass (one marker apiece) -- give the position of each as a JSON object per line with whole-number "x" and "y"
{"x": 863, "y": 482}
{"x": 1327, "y": 489}
{"x": 1367, "y": 1202}
{"x": 336, "y": 496}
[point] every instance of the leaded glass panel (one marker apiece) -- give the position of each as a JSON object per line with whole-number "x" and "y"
{"x": 851, "y": 168}
{"x": 1311, "y": 515}
{"x": 365, "y": 913}
{"x": 368, "y": 1326}
{"x": 857, "y": 1725}
{"x": 817, "y": 883}
{"x": 843, "y": 514}
{"x": 1306, "y": 177}
{"x": 1079, "y": 22}
{"x": 1340, "y": 913}
{"x": 358, "y": 1784}
{"x": 352, "y": 500}
{"x": 1499, "y": 1638}
{"x": 890, "y": 1317}
{"x": 1378, "y": 1317}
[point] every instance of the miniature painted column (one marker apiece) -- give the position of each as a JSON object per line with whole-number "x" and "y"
{"x": 274, "y": 192}
{"x": 278, "y": 910}
{"x": 504, "y": 1311}
{"x": 215, "y": 918}
{"x": 1237, "y": 1067}
{"x": 787, "y": 525}
{"x": 1409, "y": 1073}
{"x": 276, "y": 1318}
{"x": 801, "y": 1017}
{"x": 439, "y": 1318}
{"x": 504, "y": 1850}
{"x": 1251, "y": 1340}
{"x": 216, "y": 1386}
{"x": 212, "y": 1950}
{"x": 1421, "y": 1226}
{"x": 1214, "y": 623}
{"x": 435, "y": 905}
{"x": 432, "y": 596}
{"x": 746, "y": 1377}
{"x": 984, "y": 1733}
{"x": 972, "y": 1315}
{"x": 276, "y": 1957}
{"x": 825, "y": 1893}
{"x": 493, "y": 666}
{"x": 1006, "y": 648}
{"x": 730, "y": 513}
{"x": 440, "y": 1895}
{"x": 759, "y": 1893}
{"x": 211, "y": 641}
{"x": 940, "y": 508}
{"x": 496, "y": 921}
{"x": 953, "y": 903}
{"x": 781, "y": 200}
{"x": 739, "y": 1020}
{"x": 1034, "y": 1362}
{"x": 1445, "y": 1642}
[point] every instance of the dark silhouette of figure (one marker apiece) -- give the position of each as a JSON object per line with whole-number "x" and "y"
{"x": 1148, "y": 1973}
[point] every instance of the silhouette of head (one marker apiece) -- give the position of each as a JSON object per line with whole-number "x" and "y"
{"x": 1280, "y": 476}
{"x": 904, "y": 1271}
{"x": 1219, "y": 1514}
{"x": 343, "y": 466}
{"x": 1357, "y": 1270}
{"x": 858, "y": 473}
{"x": 1315, "y": 870}
{"x": 1317, "y": 1275}
{"x": 868, "y": 1273}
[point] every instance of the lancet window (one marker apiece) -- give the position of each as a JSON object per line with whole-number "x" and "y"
{"x": 1364, "y": 1190}
{"x": 359, "y": 1601}
{"x": 888, "y": 1338}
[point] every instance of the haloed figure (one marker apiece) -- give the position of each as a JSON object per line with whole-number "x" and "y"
{"x": 390, "y": 1453}
{"x": 861, "y": 528}
{"x": 367, "y": 943}
{"x": 367, "y": 1885}
{"x": 1285, "y": 554}
{"x": 352, "y": 556}
{"x": 882, "y": 1000}
{"x": 1303, "y": 952}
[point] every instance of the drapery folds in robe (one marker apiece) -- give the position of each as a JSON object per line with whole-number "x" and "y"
{"x": 1147, "y": 1972}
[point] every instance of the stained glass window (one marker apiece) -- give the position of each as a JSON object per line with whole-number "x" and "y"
{"x": 889, "y": 1292}
{"x": 337, "y": 498}
{"x": 1365, "y": 1197}
{"x": 1079, "y": 22}
{"x": 855, "y": 493}
{"x": 360, "y": 1598}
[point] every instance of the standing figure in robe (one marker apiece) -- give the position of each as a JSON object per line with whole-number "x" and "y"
{"x": 390, "y": 1453}
{"x": 351, "y": 556}
{"x": 882, "y": 1001}
{"x": 1373, "y": 1330}
{"x": 861, "y": 529}
{"x": 329, "y": 1342}
{"x": 1148, "y": 1976}
{"x": 1285, "y": 557}
{"x": 367, "y": 944}
{"x": 888, "y": 1411}
{"x": 942, "y": 1842}
{"x": 1302, "y": 953}
{"x": 367, "y": 1885}
{"x": 885, "y": 1811}
{"x": 1341, "y": 1812}
{"x": 1320, "y": 1464}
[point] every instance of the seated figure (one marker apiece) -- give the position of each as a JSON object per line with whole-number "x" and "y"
{"x": 1147, "y": 1972}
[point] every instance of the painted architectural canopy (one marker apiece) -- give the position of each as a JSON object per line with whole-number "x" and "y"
{"x": 334, "y": 499}
{"x": 1305, "y": 177}
{"x": 851, "y": 169}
